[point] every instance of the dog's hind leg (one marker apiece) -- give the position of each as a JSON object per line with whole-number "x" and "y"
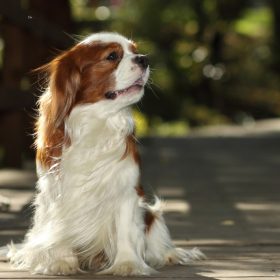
{"x": 160, "y": 249}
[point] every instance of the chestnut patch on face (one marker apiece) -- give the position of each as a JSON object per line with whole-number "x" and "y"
{"x": 97, "y": 71}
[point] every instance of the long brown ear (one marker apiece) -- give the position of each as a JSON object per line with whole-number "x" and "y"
{"x": 55, "y": 105}
{"x": 64, "y": 84}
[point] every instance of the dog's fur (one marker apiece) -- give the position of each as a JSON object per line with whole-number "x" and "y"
{"x": 90, "y": 209}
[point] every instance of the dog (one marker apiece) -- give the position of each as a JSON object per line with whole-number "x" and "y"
{"x": 90, "y": 208}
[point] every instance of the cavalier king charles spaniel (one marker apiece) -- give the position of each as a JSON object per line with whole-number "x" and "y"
{"x": 90, "y": 208}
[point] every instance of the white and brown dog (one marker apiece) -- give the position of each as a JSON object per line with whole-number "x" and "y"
{"x": 90, "y": 209}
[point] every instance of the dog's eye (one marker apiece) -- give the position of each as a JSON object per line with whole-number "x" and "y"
{"x": 112, "y": 56}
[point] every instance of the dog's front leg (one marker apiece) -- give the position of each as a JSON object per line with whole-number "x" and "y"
{"x": 129, "y": 259}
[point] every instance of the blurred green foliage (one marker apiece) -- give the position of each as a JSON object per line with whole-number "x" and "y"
{"x": 211, "y": 60}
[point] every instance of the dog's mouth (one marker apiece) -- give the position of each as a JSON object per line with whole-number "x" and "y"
{"x": 136, "y": 86}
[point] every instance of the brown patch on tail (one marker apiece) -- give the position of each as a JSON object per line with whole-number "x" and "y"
{"x": 149, "y": 220}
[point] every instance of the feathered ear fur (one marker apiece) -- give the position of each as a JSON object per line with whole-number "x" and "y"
{"x": 55, "y": 105}
{"x": 64, "y": 84}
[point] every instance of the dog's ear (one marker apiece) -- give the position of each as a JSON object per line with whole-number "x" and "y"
{"x": 64, "y": 82}
{"x": 55, "y": 105}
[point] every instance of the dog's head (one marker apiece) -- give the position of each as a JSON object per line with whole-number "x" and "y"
{"x": 103, "y": 68}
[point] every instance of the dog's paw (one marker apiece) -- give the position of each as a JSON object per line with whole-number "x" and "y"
{"x": 128, "y": 268}
{"x": 66, "y": 266}
{"x": 183, "y": 256}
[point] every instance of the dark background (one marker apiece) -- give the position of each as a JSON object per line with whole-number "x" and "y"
{"x": 213, "y": 61}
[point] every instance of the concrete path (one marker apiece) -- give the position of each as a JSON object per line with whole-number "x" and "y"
{"x": 222, "y": 194}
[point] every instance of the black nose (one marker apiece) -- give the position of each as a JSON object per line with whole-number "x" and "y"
{"x": 142, "y": 61}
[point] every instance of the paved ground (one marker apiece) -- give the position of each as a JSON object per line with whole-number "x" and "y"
{"x": 221, "y": 194}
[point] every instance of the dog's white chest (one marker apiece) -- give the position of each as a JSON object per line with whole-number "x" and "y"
{"x": 94, "y": 160}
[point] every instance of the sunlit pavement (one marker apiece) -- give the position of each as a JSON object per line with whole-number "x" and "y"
{"x": 220, "y": 194}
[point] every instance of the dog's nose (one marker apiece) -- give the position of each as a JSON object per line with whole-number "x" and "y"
{"x": 142, "y": 61}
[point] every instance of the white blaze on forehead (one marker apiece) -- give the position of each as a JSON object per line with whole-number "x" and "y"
{"x": 108, "y": 37}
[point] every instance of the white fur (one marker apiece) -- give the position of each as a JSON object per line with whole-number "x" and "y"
{"x": 87, "y": 205}
{"x": 108, "y": 37}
